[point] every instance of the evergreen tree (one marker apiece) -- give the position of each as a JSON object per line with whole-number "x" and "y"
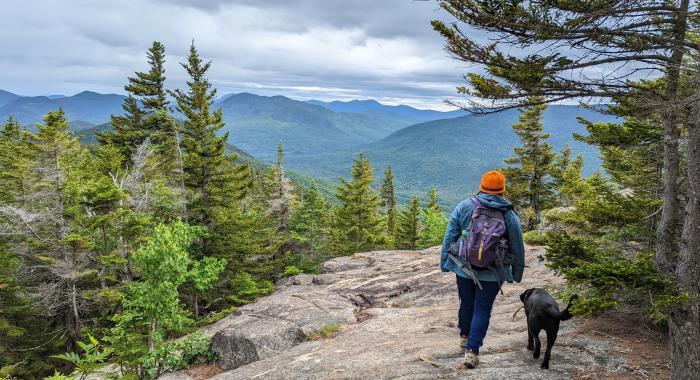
{"x": 433, "y": 221}
{"x": 434, "y": 201}
{"x": 15, "y": 163}
{"x": 529, "y": 181}
{"x": 245, "y": 237}
{"x": 359, "y": 226}
{"x": 281, "y": 202}
{"x": 211, "y": 178}
{"x": 433, "y": 226}
{"x": 150, "y": 86}
{"x": 43, "y": 232}
{"x": 310, "y": 227}
{"x": 388, "y": 197}
{"x": 146, "y": 112}
{"x": 409, "y": 226}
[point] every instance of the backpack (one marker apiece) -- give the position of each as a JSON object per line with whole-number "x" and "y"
{"x": 485, "y": 244}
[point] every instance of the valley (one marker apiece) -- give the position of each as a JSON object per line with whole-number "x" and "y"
{"x": 424, "y": 147}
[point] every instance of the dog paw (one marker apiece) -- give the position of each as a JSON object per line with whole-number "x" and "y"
{"x": 536, "y": 355}
{"x": 530, "y": 347}
{"x": 544, "y": 365}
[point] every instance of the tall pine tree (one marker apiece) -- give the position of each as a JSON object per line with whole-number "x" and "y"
{"x": 147, "y": 113}
{"x": 310, "y": 227}
{"x": 433, "y": 202}
{"x": 409, "y": 226}
{"x": 359, "y": 225}
{"x": 528, "y": 172}
{"x": 211, "y": 178}
{"x": 388, "y": 197}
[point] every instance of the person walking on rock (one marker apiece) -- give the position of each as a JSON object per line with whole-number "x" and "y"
{"x": 483, "y": 246}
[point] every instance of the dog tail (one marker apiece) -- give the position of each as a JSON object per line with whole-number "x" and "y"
{"x": 562, "y": 315}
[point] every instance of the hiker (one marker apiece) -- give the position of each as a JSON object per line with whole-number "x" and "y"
{"x": 483, "y": 246}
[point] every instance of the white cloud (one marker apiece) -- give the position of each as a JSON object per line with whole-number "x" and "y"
{"x": 323, "y": 49}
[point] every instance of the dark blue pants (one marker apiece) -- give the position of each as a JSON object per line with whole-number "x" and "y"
{"x": 475, "y": 310}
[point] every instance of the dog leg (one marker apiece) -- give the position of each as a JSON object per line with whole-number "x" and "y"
{"x": 536, "y": 338}
{"x": 551, "y": 337}
{"x": 530, "y": 345}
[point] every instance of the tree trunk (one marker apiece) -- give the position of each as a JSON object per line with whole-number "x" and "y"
{"x": 71, "y": 320}
{"x": 684, "y": 319}
{"x": 152, "y": 335}
{"x": 666, "y": 229}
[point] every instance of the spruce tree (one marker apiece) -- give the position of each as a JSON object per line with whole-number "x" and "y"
{"x": 150, "y": 86}
{"x": 388, "y": 197}
{"x": 310, "y": 227}
{"x": 15, "y": 163}
{"x": 281, "y": 202}
{"x": 528, "y": 172}
{"x": 44, "y": 232}
{"x": 359, "y": 225}
{"x": 433, "y": 202}
{"x": 147, "y": 113}
{"x": 409, "y": 226}
{"x": 211, "y": 178}
{"x": 433, "y": 221}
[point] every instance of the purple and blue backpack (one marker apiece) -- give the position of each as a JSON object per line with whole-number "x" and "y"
{"x": 485, "y": 244}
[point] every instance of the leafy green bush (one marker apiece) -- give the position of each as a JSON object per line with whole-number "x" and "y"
{"x": 174, "y": 356}
{"x": 291, "y": 270}
{"x": 535, "y": 238}
{"x": 603, "y": 277}
{"x": 93, "y": 358}
{"x": 246, "y": 289}
{"x": 152, "y": 312}
{"x": 434, "y": 225}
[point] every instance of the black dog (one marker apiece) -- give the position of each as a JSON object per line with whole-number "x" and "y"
{"x": 542, "y": 312}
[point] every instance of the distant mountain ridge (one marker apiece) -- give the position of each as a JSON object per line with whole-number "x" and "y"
{"x": 373, "y": 107}
{"x": 256, "y": 123}
{"x": 452, "y": 153}
{"x": 83, "y": 110}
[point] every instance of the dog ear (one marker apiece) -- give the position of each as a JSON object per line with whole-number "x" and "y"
{"x": 526, "y": 294}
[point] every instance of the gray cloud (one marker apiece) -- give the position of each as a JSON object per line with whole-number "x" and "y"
{"x": 330, "y": 49}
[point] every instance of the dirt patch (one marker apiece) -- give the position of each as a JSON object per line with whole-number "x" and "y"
{"x": 645, "y": 350}
{"x": 204, "y": 371}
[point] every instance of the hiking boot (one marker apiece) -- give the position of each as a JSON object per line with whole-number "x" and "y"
{"x": 471, "y": 359}
{"x": 463, "y": 339}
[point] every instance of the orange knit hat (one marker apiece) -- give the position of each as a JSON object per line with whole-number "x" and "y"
{"x": 493, "y": 182}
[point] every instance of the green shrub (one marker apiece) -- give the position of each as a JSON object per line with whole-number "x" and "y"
{"x": 434, "y": 225}
{"x": 247, "y": 289}
{"x": 603, "y": 277}
{"x": 93, "y": 357}
{"x": 291, "y": 270}
{"x": 535, "y": 238}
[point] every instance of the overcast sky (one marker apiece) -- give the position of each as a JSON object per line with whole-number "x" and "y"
{"x": 321, "y": 49}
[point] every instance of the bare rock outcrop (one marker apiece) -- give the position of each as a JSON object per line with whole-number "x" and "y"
{"x": 397, "y": 313}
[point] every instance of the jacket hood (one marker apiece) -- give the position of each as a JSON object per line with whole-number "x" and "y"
{"x": 494, "y": 201}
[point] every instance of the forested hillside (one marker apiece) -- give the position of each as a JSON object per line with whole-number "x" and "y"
{"x": 451, "y": 154}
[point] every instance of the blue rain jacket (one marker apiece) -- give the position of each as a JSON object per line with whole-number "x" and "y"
{"x": 460, "y": 219}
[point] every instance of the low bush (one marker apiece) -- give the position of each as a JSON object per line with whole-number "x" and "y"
{"x": 535, "y": 238}
{"x": 604, "y": 278}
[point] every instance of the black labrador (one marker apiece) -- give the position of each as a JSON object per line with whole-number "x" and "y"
{"x": 542, "y": 313}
